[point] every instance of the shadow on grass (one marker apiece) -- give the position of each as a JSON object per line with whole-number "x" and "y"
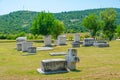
{"x": 76, "y": 70}
{"x": 62, "y": 72}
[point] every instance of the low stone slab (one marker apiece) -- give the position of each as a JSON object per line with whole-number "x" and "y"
{"x": 101, "y": 45}
{"x": 51, "y": 66}
{"x": 57, "y": 53}
{"x": 44, "y": 48}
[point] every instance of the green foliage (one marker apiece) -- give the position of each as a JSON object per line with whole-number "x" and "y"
{"x": 92, "y": 23}
{"x": 118, "y": 30}
{"x": 58, "y": 28}
{"x": 43, "y": 24}
{"x": 21, "y": 21}
{"x": 109, "y": 18}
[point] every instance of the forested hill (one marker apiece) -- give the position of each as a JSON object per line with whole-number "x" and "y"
{"x": 20, "y": 21}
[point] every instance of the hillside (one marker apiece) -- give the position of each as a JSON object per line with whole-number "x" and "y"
{"x": 19, "y": 21}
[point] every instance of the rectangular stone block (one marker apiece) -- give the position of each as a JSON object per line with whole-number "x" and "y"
{"x": 47, "y": 41}
{"x": 62, "y": 40}
{"x": 31, "y": 49}
{"x": 26, "y": 45}
{"x": 53, "y": 66}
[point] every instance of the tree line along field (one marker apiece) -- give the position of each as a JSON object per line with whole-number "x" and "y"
{"x": 95, "y": 63}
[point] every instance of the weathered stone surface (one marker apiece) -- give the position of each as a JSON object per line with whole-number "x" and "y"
{"x": 31, "y": 49}
{"x": 47, "y": 41}
{"x": 57, "y": 53}
{"x": 53, "y": 66}
{"x": 72, "y": 58}
{"x": 21, "y": 39}
{"x": 76, "y": 37}
{"x": 44, "y": 48}
{"x": 26, "y": 45}
{"x": 62, "y": 40}
{"x": 101, "y": 44}
{"x": 76, "y": 42}
{"x": 88, "y": 42}
{"x": 19, "y": 46}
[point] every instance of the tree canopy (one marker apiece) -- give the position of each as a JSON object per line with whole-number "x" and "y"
{"x": 58, "y": 28}
{"x": 109, "y": 16}
{"x": 43, "y": 23}
{"x": 92, "y": 23}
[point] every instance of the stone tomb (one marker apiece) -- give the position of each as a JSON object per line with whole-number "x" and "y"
{"x": 47, "y": 41}
{"x": 53, "y": 66}
{"x": 26, "y": 45}
{"x": 76, "y": 42}
{"x": 60, "y": 65}
{"x": 101, "y": 44}
{"x": 23, "y": 46}
{"x": 88, "y": 41}
{"x": 62, "y": 40}
{"x": 21, "y": 39}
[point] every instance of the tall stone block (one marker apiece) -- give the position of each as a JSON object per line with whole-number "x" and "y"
{"x": 62, "y": 40}
{"x": 76, "y": 37}
{"x": 19, "y": 41}
{"x": 76, "y": 42}
{"x": 47, "y": 40}
{"x": 72, "y": 58}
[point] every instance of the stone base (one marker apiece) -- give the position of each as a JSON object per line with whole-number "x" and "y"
{"x": 62, "y": 44}
{"x": 28, "y": 54}
{"x": 57, "y": 53}
{"x": 31, "y": 49}
{"x": 87, "y": 45}
{"x": 51, "y": 72}
{"x": 44, "y": 48}
{"x": 101, "y": 45}
{"x": 75, "y": 44}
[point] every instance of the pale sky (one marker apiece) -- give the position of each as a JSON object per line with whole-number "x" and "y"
{"x": 54, "y": 6}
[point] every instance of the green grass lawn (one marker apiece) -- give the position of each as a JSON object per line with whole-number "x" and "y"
{"x": 95, "y": 63}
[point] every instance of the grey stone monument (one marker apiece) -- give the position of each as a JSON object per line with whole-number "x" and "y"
{"x": 76, "y": 42}
{"x": 25, "y": 46}
{"x": 53, "y": 66}
{"x": 62, "y": 40}
{"x": 47, "y": 41}
{"x": 19, "y": 46}
{"x": 88, "y": 41}
{"x": 101, "y": 44}
{"x": 21, "y": 39}
{"x": 32, "y": 49}
{"x": 72, "y": 58}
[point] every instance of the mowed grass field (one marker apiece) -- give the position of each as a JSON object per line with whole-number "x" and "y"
{"x": 95, "y": 63}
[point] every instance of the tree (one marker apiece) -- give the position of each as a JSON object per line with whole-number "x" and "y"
{"x": 108, "y": 16}
{"x": 58, "y": 28}
{"x": 43, "y": 24}
{"x": 92, "y": 23}
{"x": 118, "y": 30}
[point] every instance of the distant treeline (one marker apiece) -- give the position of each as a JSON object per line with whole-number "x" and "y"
{"x": 21, "y": 21}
